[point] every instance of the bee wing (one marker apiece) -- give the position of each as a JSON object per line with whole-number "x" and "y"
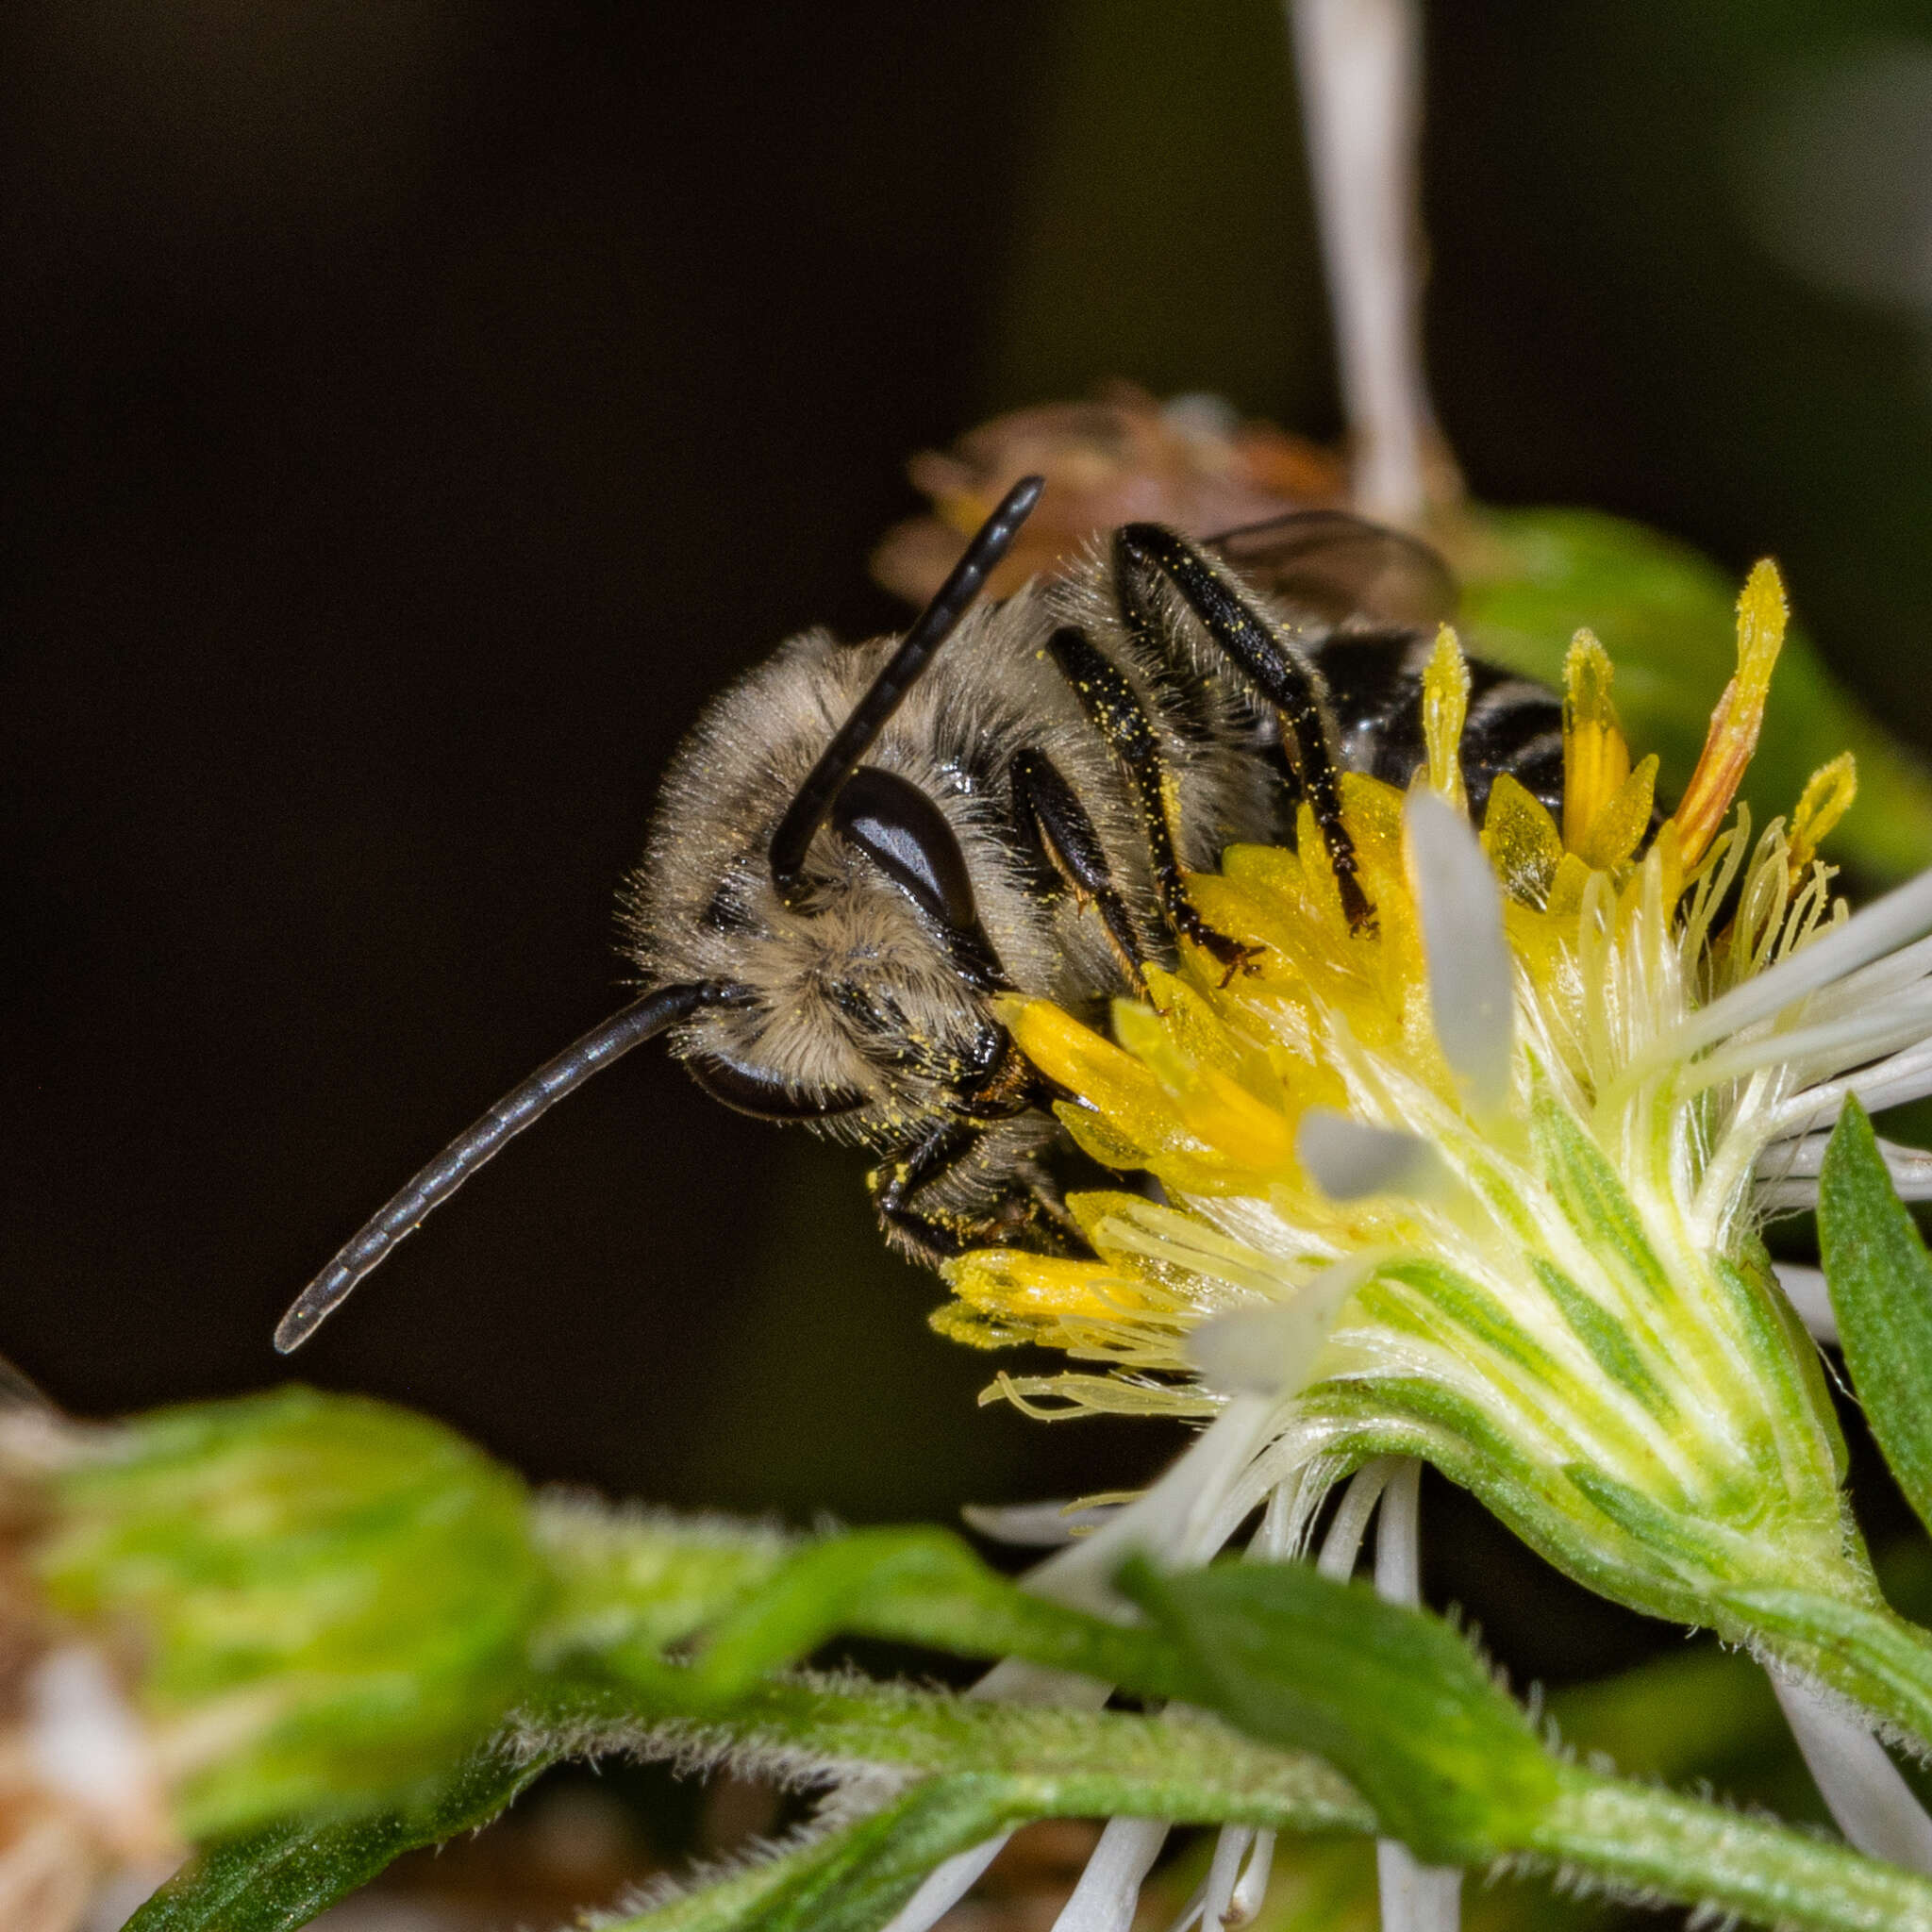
{"x": 1336, "y": 566}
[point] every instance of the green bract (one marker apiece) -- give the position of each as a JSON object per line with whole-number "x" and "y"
{"x": 333, "y": 1594}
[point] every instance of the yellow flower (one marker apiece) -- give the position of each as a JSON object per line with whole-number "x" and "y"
{"x": 1483, "y": 1183}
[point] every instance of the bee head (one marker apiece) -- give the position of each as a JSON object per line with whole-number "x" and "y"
{"x": 837, "y": 897}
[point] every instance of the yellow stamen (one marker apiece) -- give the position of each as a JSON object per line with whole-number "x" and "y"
{"x": 1596, "y": 759}
{"x": 1123, "y": 1095}
{"x": 1445, "y": 708}
{"x": 1619, "y": 827}
{"x": 1012, "y": 1292}
{"x": 1734, "y": 726}
{"x": 1828, "y": 796}
{"x": 1521, "y": 839}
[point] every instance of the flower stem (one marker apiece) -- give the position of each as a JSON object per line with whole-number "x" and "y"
{"x": 1867, "y": 1652}
{"x": 1634, "y": 1835}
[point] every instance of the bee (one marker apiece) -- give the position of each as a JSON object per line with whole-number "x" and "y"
{"x": 860, "y": 846}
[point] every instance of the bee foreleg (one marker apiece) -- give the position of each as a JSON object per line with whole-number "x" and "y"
{"x": 1116, "y": 713}
{"x": 1014, "y": 1212}
{"x": 1049, "y": 809}
{"x": 1276, "y": 670}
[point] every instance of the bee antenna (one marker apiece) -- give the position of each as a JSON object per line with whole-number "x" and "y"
{"x": 429, "y": 1189}
{"x": 933, "y": 624}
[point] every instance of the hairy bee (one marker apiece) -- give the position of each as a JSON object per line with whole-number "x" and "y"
{"x": 859, "y": 845}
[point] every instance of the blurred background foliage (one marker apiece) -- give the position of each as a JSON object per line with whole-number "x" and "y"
{"x": 414, "y": 412}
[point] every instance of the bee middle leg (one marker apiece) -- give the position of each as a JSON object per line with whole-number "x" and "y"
{"x": 1116, "y": 713}
{"x": 1015, "y": 1213}
{"x": 1048, "y": 808}
{"x": 1285, "y": 678}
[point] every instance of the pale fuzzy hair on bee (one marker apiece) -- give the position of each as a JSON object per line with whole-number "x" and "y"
{"x": 702, "y": 905}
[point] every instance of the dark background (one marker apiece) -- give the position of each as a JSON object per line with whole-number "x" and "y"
{"x": 413, "y": 410}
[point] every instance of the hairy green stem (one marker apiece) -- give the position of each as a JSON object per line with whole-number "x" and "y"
{"x": 1651, "y": 1841}
{"x": 1868, "y": 1652}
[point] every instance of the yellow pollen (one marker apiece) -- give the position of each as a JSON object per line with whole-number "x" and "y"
{"x": 1828, "y": 796}
{"x": 1596, "y": 759}
{"x": 1208, "y": 1080}
{"x": 1734, "y": 723}
{"x": 1445, "y": 709}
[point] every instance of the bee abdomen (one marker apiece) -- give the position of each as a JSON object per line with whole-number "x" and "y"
{"x": 1374, "y": 683}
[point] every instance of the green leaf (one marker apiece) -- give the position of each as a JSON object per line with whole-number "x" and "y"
{"x": 1667, "y": 616}
{"x": 1881, "y": 1280}
{"x": 1394, "y": 1700}
{"x": 912, "y": 1586}
{"x": 280, "y": 1877}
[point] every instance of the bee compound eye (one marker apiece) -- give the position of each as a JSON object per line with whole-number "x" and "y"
{"x": 905, "y": 835}
{"x": 765, "y": 1095}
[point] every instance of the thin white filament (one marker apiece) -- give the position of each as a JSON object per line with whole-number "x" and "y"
{"x": 1891, "y": 1082}
{"x": 945, "y": 1885}
{"x": 1803, "y": 1158}
{"x": 1860, "y": 1785}
{"x": 1846, "y": 1042}
{"x": 1414, "y": 1897}
{"x": 1789, "y": 1172}
{"x": 1881, "y": 928}
{"x": 1110, "y": 1888}
{"x": 1344, "y": 1542}
{"x": 1165, "y": 1521}
{"x": 1034, "y": 1525}
{"x": 1471, "y": 984}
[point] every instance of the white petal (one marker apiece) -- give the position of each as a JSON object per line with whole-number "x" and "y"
{"x": 1110, "y": 1888}
{"x": 946, "y": 1886}
{"x": 1414, "y": 1897}
{"x": 1788, "y": 1171}
{"x": 1472, "y": 995}
{"x": 1398, "y": 1535}
{"x": 1848, "y": 1041}
{"x": 1882, "y": 928}
{"x": 1803, "y": 1158}
{"x": 1344, "y": 1542}
{"x": 1224, "y": 1872}
{"x": 1806, "y": 1289}
{"x": 1864, "y": 1790}
{"x": 1167, "y": 1522}
{"x": 1253, "y": 1890}
{"x": 1348, "y": 1158}
{"x": 1271, "y": 1351}
{"x": 1890, "y": 1082}
{"x": 84, "y": 1743}
{"x": 1033, "y": 1526}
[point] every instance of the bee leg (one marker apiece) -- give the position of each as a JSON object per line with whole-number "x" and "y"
{"x": 1116, "y": 713}
{"x": 1017, "y": 1215}
{"x": 1050, "y": 809}
{"x": 1269, "y": 663}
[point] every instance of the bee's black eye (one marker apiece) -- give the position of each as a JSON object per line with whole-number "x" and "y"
{"x": 764, "y": 1095}
{"x": 907, "y": 836}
